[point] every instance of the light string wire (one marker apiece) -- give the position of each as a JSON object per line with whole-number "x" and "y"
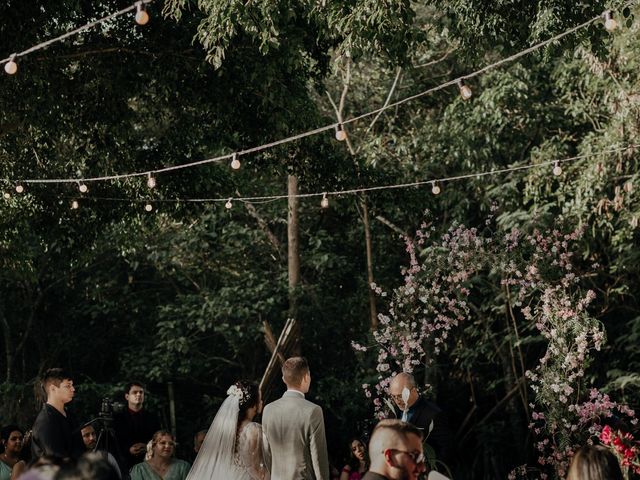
{"x": 76, "y": 31}
{"x": 442, "y": 180}
{"x": 315, "y": 131}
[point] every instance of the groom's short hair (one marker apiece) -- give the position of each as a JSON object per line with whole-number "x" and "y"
{"x": 294, "y": 369}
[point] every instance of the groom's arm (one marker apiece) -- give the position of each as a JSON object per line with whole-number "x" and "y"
{"x": 318, "y": 445}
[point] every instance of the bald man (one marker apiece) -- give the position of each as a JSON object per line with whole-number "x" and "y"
{"x": 422, "y": 413}
{"x": 395, "y": 452}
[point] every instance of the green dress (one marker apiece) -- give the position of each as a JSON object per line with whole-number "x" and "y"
{"x": 5, "y": 471}
{"x": 177, "y": 471}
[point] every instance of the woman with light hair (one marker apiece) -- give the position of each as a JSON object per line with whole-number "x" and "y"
{"x": 160, "y": 462}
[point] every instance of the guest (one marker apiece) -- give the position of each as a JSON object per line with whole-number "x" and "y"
{"x": 159, "y": 460}
{"x": 91, "y": 466}
{"x": 55, "y": 431}
{"x": 358, "y": 461}
{"x": 395, "y": 451}
{"x": 90, "y": 440}
{"x": 134, "y": 426}
{"x": 422, "y": 413}
{"x": 11, "y": 466}
{"x": 594, "y": 462}
{"x": 198, "y": 439}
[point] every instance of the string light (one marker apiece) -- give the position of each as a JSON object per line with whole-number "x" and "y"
{"x": 557, "y": 169}
{"x": 435, "y": 188}
{"x": 465, "y": 91}
{"x": 6, "y": 195}
{"x": 148, "y": 207}
{"x": 151, "y": 181}
{"x": 610, "y": 23}
{"x": 142, "y": 17}
{"x": 83, "y": 188}
{"x": 19, "y": 188}
{"x": 309, "y": 133}
{"x": 324, "y": 203}
{"x": 74, "y": 204}
{"x": 228, "y": 205}
{"x": 341, "y": 134}
{"x": 235, "y": 163}
{"x": 11, "y": 67}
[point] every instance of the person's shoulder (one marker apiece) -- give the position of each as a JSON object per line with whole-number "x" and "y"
{"x": 182, "y": 463}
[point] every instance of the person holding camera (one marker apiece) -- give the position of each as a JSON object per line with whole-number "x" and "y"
{"x": 90, "y": 440}
{"x": 55, "y": 431}
{"x": 134, "y": 427}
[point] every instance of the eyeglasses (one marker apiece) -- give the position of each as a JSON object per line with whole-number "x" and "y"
{"x": 417, "y": 457}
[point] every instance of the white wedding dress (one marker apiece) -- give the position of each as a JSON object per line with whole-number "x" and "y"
{"x": 220, "y": 458}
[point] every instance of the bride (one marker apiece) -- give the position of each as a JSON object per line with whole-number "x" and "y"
{"x": 234, "y": 447}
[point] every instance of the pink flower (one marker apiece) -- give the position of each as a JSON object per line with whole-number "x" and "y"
{"x": 605, "y": 435}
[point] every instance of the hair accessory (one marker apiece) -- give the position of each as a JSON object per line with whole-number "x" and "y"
{"x": 236, "y": 392}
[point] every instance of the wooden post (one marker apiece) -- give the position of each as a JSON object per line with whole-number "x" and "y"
{"x": 293, "y": 256}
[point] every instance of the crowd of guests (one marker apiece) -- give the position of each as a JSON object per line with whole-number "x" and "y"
{"x": 290, "y": 444}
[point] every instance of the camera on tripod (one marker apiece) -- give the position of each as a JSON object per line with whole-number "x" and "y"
{"x": 107, "y": 408}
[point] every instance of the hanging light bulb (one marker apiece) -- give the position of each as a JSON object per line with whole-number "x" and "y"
{"x": 148, "y": 207}
{"x": 557, "y": 169}
{"x": 324, "y": 203}
{"x": 465, "y": 91}
{"x": 19, "y": 188}
{"x": 7, "y": 195}
{"x": 142, "y": 17}
{"x": 151, "y": 181}
{"x": 235, "y": 163}
{"x": 435, "y": 188}
{"x": 341, "y": 134}
{"x": 11, "y": 67}
{"x": 609, "y": 22}
{"x": 74, "y": 205}
{"x": 228, "y": 205}
{"x": 83, "y": 188}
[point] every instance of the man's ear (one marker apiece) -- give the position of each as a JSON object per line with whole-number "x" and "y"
{"x": 388, "y": 457}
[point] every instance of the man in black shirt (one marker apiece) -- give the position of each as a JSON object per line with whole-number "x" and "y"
{"x": 135, "y": 426}
{"x": 55, "y": 432}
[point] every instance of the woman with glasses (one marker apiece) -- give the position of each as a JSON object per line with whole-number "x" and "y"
{"x": 358, "y": 461}
{"x": 159, "y": 462}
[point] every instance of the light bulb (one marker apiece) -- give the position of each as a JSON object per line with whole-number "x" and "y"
{"x": 7, "y": 195}
{"x": 228, "y": 205}
{"x": 324, "y": 203}
{"x": 235, "y": 163}
{"x": 557, "y": 169}
{"x": 19, "y": 188}
{"x": 341, "y": 134}
{"x": 609, "y": 22}
{"x": 11, "y": 67}
{"x": 628, "y": 186}
{"x": 75, "y": 205}
{"x": 465, "y": 91}
{"x": 435, "y": 189}
{"x": 142, "y": 17}
{"x": 148, "y": 207}
{"x": 83, "y": 188}
{"x": 151, "y": 181}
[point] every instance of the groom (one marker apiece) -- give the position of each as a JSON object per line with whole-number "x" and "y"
{"x": 295, "y": 429}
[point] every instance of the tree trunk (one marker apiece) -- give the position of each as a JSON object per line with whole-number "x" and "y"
{"x": 373, "y": 311}
{"x": 293, "y": 256}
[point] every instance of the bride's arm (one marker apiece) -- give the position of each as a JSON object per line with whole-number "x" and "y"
{"x": 251, "y": 452}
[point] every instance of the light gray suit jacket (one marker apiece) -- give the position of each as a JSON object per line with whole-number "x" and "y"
{"x": 294, "y": 428}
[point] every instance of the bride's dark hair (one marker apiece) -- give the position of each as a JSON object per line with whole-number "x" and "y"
{"x": 249, "y": 398}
